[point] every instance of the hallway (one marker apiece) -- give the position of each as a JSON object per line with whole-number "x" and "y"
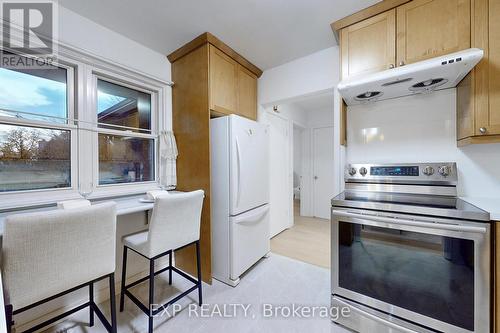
{"x": 308, "y": 240}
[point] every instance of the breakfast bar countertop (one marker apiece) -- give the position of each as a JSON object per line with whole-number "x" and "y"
{"x": 124, "y": 205}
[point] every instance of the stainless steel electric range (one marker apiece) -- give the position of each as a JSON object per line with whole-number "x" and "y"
{"x": 407, "y": 254}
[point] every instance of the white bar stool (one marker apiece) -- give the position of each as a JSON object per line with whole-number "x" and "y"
{"x": 50, "y": 254}
{"x": 175, "y": 224}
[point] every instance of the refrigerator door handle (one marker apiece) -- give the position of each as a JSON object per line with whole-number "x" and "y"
{"x": 254, "y": 217}
{"x": 238, "y": 181}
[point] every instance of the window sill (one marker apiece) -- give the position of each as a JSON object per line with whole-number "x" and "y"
{"x": 12, "y": 201}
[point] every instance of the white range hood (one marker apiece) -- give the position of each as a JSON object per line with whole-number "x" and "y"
{"x": 417, "y": 78}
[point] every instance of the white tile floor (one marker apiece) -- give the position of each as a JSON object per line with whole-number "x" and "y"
{"x": 277, "y": 280}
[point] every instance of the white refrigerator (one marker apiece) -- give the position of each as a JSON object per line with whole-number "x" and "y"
{"x": 239, "y": 153}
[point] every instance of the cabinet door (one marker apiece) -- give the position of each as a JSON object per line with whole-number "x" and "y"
{"x": 223, "y": 82}
{"x": 430, "y": 28}
{"x": 369, "y": 46}
{"x": 247, "y": 93}
{"x": 489, "y": 118}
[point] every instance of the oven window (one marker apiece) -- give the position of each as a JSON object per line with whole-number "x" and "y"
{"x": 427, "y": 274}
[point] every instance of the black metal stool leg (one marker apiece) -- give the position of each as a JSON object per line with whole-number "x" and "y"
{"x": 8, "y": 317}
{"x": 124, "y": 276}
{"x": 91, "y": 307}
{"x": 151, "y": 293}
{"x": 198, "y": 266}
{"x": 112, "y": 302}
{"x": 170, "y": 265}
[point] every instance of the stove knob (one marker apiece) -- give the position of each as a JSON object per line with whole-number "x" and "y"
{"x": 444, "y": 170}
{"x": 352, "y": 171}
{"x": 428, "y": 171}
{"x": 363, "y": 171}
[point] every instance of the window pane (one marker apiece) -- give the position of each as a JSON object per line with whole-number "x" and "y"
{"x": 125, "y": 159}
{"x": 34, "y": 158}
{"x": 118, "y": 105}
{"x": 42, "y": 92}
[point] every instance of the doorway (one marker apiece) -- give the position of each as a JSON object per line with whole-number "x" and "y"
{"x": 310, "y": 173}
{"x": 298, "y": 148}
{"x": 323, "y": 166}
{"x": 280, "y": 214}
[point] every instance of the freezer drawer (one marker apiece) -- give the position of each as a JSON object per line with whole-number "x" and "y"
{"x": 249, "y": 240}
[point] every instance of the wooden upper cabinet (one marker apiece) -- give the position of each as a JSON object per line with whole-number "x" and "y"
{"x": 431, "y": 28}
{"x": 478, "y": 95}
{"x": 223, "y": 82}
{"x": 369, "y": 46}
{"x": 247, "y": 93}
{"x": 489, "y": 116}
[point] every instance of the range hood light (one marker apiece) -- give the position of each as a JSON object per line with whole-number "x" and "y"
{"x": 428, "y": 85}
{"x": 368, "y": 96}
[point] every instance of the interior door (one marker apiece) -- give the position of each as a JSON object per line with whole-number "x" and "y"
{"x": 249, "y": 170}
{"x": 281, "y": 189}
{"x": 323, "y": 165}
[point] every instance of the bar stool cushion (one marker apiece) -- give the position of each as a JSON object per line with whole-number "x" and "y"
{"x": 137, "y": 242}
{"x": 51, "y": 252}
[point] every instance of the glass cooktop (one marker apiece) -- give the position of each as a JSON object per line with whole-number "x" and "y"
{"x": 432, "y": 205}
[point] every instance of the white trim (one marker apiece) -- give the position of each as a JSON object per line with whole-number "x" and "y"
{"x": 82, "y": 69}
{"x": 135, "y": 84}
{"x": 303, "y": 131}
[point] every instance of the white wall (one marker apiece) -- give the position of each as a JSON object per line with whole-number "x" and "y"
{"x": 80, "y": 32}
{"x": 308, "y": 75}
{"x": 290, "y": 112}
{"x": 320, "y": 117}
{"x": 422, "y": 129}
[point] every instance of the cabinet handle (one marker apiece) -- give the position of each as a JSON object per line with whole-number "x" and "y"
{"x": 482, "y": 130}
{"x": 391, "y": 66}
{"x": 401, "y": 63}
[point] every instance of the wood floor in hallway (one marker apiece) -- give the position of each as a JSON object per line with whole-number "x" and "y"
{"x": 308, "y": 240}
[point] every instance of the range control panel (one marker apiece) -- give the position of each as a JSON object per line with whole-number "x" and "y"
{"x": 406, "y": 173}
{"x": 394, "y": 171}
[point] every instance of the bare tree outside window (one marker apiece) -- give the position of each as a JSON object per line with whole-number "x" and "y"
{"x": 34, "y": 158}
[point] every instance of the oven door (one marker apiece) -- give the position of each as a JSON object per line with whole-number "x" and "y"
{"x": 429, "y": 271}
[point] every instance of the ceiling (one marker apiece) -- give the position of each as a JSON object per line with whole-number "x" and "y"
{"x": 267, "y": 32}
{"x": 316, "y": 102}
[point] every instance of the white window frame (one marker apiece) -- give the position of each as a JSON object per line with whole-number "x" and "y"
{"x": 82, "y": 98}
{"x": 23, "y": 198}
{"x": 119, "y": 188}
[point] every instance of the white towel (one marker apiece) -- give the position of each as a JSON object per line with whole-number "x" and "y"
{"x": 168, "y": 155}
{"x": 152, "y": 195}
{"x": 71, "y": 204}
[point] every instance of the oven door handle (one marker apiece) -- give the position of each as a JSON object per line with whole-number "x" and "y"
{"x": 398, "y": 221}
